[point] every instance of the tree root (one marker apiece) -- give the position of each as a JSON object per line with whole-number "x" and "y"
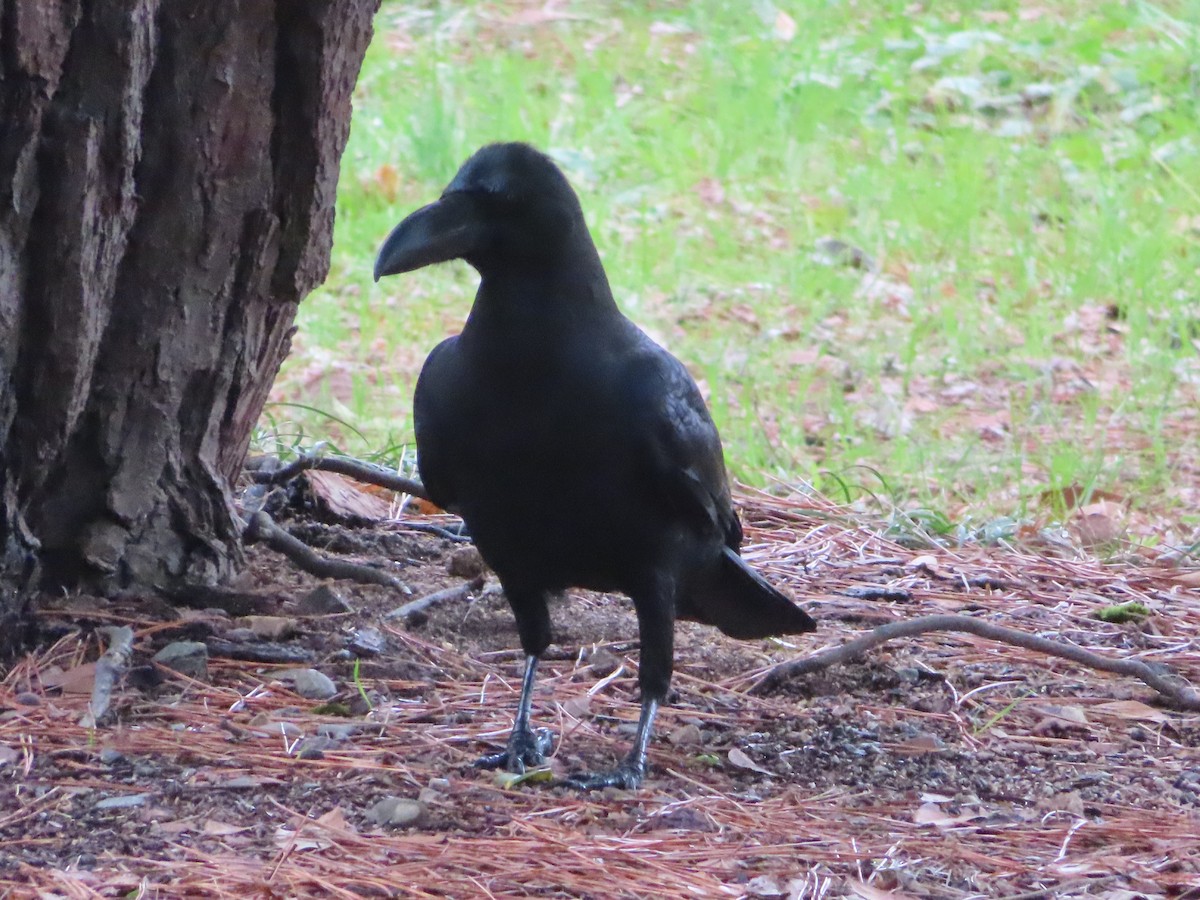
{"x": 261, "y": 527}
{"x": 1159, "y": 677}
{"x": 366, "y": 472}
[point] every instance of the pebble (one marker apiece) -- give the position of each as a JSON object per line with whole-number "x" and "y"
{"x": 125, "y": 801}
{"x": 602, "y": 662}
{"x": 465, "y": 562}
{"x": 313, "y": 747}
{"x": 397, "y": 812}
{"x": 270, "y": 628}
{"x": 368, "y": 642}
{"x": 310, "y": 683}
{"x": 322, "y": 601}
{"x": 336, "y": 731}
{"x": 188, "y": 658}
{"x": 686, "y": 736}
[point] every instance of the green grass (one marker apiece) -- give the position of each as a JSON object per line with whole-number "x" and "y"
{"x": 1014, "y": 170}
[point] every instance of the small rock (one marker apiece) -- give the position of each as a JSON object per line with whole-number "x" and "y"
{"x": 686, "y": 736}
{"x": 322, "y": 601}
{"x": 465, "y": 562}
{"x": 310, "y": 683}
{"x": 188, "y": 658}
{"x": 397, "y": 812}
{"x": 602, "y": 662}
{"x": 125, "y": 801}
{"x": 368, "y": 642}
{"x": 270, "y": 628}
{"x": 313, "y": 747}
{"x": 111, "y": 757}
{"x": 26, "y": 698}
{"x": 241, "y": 636}
{"x": 336, "y": 731}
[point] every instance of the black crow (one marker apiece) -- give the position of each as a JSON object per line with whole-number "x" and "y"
{"x": 578, "y": 452}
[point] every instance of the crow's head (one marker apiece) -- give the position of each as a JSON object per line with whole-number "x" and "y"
{"x": 509, "y": 206}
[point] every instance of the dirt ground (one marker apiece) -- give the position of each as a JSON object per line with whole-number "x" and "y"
{"x": 941, "y": 766}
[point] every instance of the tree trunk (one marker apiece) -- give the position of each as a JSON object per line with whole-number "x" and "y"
{"x": 167, "y": 178}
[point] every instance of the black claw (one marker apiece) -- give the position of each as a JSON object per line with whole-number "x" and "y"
{"x": 626, "y": 776}
{"x": 525, "y": 749}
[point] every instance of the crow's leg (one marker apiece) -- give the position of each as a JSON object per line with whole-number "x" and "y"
{"x": 526, "y": 747}
{"x": 656, "y": 626}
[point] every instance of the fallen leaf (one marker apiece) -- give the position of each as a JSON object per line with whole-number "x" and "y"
{"x": 742, "y": 761}
{"x": 928, "y": 563}
{"x": 1131, "y": 709}
{"x": 540, "y": 775}
{"x": 710, "y": 191}
{"x": 387, "y": 180}
{"x": 179, "y": 826}
{"x": 577, "y": 707}
{"x": 335, "y": 820}
{"x": 932, "y": 814}
{"x": 77, "y": 680}
{"x": 785, "y": 26}
{"x": 286, "y": 837}
{"x": 1191, "y": 579}
{"x": 1099, "y": 524}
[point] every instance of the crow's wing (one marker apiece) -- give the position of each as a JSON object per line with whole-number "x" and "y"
{"x": 678, "y": 447}
{"x": 437, "y": 423}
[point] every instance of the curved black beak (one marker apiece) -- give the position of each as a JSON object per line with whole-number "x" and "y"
{"x": 448, "y": 229}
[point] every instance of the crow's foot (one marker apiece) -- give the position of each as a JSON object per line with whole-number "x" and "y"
{"x": 627, "y": 776}
{"x": 526, "y": 748}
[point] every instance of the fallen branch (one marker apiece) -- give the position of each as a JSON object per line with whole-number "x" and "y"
{"x": 368, "y": 473}
{"x": 109, "y": 668}
{"x": 1159, "y": 677}
{"x": 274, "y": 654}
{"x": 261, "y": 527}
{"x": 416, "y": 607}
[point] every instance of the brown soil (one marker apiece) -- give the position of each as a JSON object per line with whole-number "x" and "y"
{"x": 947, "y": 766}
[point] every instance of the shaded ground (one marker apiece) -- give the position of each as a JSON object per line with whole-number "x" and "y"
{"x": 943, "y": 767}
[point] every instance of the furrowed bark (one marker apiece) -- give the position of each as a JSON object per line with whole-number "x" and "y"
{"x": 167, "y": 175}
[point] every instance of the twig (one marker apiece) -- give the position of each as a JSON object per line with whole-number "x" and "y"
{"x": 368, "y": 473}
{"x": 275, "y": 654}
{"x": 261, "y": 527}
{"x": 429, "y": 528}
{"x": 1162, "y": 679}
{"x": 415, "y": 607}
{"x": 108, "y": 669}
